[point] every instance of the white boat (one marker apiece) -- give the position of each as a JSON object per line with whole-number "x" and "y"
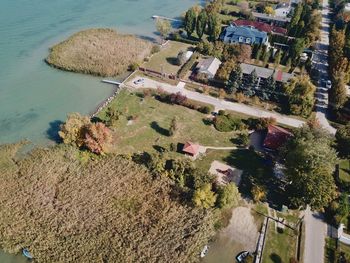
{"x": 204, "y": 251}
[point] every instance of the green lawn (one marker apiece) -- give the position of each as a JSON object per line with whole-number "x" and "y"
{"x": 344, "y": 171}
{"x": 151, "y": 123}
{"x": 280, "y": 246}
{"x": 331, "y": 254}
{"x": 164, "y": 61}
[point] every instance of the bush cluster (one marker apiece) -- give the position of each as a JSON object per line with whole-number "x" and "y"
{"x": 228, "y": 122}
{"x": 179, "y": 99}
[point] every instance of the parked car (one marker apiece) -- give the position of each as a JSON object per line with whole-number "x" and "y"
{"x": 139, "y": 81}
{"x": 242, "y": 256}
{"x": 328, "y": 84}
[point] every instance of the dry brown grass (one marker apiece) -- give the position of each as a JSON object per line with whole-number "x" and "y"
{"x": 67, "y": 208}
{"x": 101, "y": 52}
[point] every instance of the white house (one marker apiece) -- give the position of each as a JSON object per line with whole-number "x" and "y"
{"x": 209, "y": 67}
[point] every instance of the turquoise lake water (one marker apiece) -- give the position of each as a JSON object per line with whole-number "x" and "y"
{"x": 34, "y": 98}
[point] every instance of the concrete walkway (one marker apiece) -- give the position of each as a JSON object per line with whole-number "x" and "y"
{"x": 315, "y": 235}
{"x": 217, "y": 103}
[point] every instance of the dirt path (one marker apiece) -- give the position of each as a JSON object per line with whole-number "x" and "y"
{"x": 242, "y": 228}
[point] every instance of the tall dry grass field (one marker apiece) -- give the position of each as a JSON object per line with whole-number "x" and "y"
{"x": 101, "y": 52}
{"x": 65, "y": 207}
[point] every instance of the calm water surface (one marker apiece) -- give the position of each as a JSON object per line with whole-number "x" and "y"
{"x": 34, "y": 98}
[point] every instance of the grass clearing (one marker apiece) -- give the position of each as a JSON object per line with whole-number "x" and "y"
{"x": 151, "y": 120}
{"x": 164, "y": 61}
{"x": 101, "y": 52}
{"x": 280, "y": 245}
{"x": 344, "y": 171}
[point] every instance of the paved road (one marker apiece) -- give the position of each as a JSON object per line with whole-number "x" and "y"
{"x": 315, "y": 227}
{"x": 320, "y": 61}
{"x": 217, "y": 103}
{"x": 315, "y": 235}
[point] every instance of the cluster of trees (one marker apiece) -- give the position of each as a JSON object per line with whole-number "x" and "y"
{"x": 201, "y": 187}
{"x": 203, "y": 21}
{"x": 339, "y": 70}
{"x": 79, "y": 131}
{"x": 300, "y": 94}
{"x": 310, "y": 162}
{"x": 228, "y": 122}
{"x": 305, "y": 22}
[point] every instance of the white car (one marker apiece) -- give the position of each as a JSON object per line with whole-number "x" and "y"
{"x": 328, "y": 84}
{"x": 139, "y": 81}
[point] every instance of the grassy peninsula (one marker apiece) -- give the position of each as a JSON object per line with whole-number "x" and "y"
{"x": 67, "y": 206}
{"x": 100, "y": 52}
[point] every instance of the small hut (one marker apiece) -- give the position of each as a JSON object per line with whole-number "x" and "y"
{"x": 191, "y": 149}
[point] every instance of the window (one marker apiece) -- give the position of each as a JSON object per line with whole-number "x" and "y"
{"x": 240, "y": 39}
{"x": 248, "y": 40}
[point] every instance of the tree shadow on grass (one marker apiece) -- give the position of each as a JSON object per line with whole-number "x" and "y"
{"x": 52, "y": 131}
{"x": 275, "y": 258}
{"x": 155, "y": 126}
{"x": 172, "y": 60}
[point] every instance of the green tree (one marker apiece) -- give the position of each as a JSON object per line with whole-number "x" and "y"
{"x": 228, "y": 196}
{"x": 72, "y": 131}
{"x": 235, "y": 80}
{"x": 204, "y": 197}
{"x": 310, "y": 161}
{"x": 202, "y": 21}
{"x": 190, "y": 21}
{"x": 163, "y": 27}
{"x": 295, "y": 19}
{"x": 343, "y": 140}
{"x": 173, "y": 126}
{"x": 297, "y": 48}
{"x": 250, "y": 84}
{"x": 337, "y": 93}
{"x": 300, "y": 93}
{"x": 214, "y": 27}
{"x": 225, "y": 70}
{"x": 113, "y": 116}
{"x": 269, "y": 88}
{"x": 277, "y": 58}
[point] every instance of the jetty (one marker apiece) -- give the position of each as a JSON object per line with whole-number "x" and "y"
{"x": 112, "y": 82}
{"x": 167, "y": 18}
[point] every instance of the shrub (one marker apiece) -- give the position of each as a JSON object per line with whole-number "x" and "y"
{"x": 261, "y": 123}
{"x": 221, "y": 112}
{"x": 155, "y": 49}
{"x": 187, "y": 66}
{"x": 243, "y": 139}
{"x": 227, "y": 123}
{"x": 133, "y": 66}
{"x": 205, "y": 109}
{"x": 258, "y": 193}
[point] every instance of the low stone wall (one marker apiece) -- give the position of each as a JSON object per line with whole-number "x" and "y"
{"x": 261, "y": 241}
{"x": 343, "y": 237}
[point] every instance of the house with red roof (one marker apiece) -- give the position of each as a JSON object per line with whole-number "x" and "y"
{"x": 276, "y": 137}
{"x": 191, "y": 149}
{"x": 271, "y": 29}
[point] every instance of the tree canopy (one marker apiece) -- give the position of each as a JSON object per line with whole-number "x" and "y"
{"x": 300, "y": 92}
{"x": 310, "y": 162}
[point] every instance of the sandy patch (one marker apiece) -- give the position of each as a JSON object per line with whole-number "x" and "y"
{"x": 225, "y": 173}
{"x": 242, "y": 228}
